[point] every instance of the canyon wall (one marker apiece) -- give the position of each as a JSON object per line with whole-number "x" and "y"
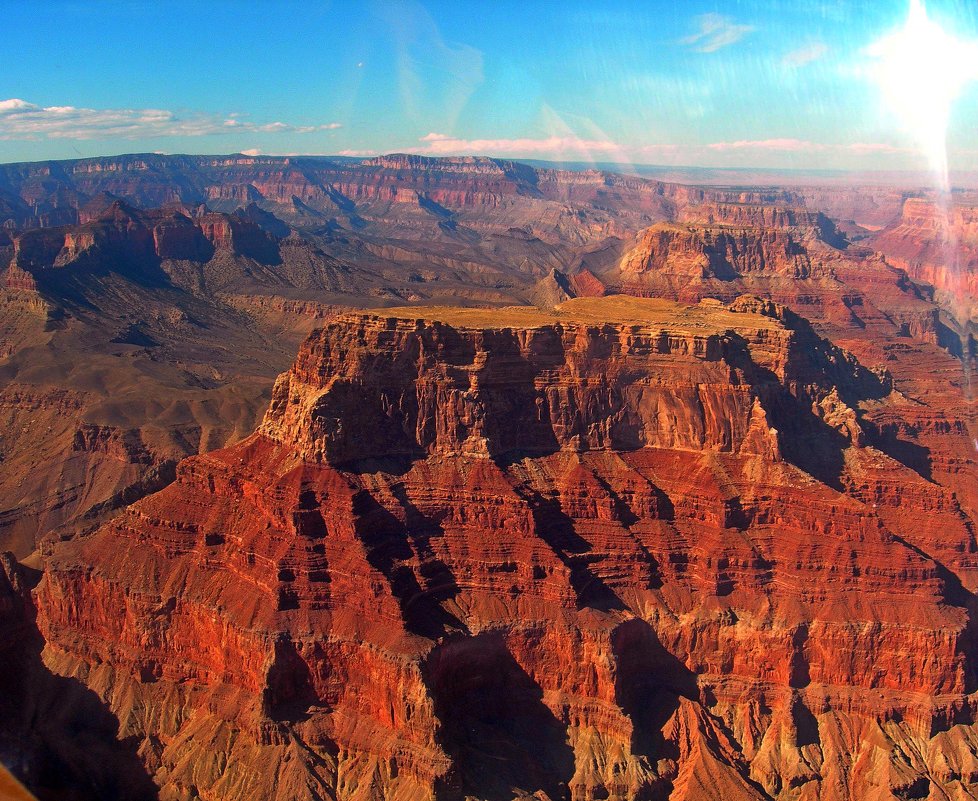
{"x": 625, "y": 549}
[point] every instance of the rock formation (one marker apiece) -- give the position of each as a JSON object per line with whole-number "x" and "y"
{"x": 938, "y": 247}
{"x": 716, "y": 541}
{"x": 624, "y": 549}
{"x": 55, "y": 734}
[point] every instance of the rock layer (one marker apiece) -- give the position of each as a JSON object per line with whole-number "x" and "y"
{"x": 938, "y": 246}
{"x": 626, "y": 549}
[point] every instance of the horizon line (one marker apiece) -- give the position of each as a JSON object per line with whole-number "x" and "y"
{"x": 616, "y": 167}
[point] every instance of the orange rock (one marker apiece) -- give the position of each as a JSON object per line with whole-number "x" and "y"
{"x": 625, "y": 549}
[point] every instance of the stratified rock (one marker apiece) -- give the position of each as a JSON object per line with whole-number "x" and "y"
{"x": 938, "y": 245}
{"x": 625, "y": 549}
{"x": 55, "y": 734}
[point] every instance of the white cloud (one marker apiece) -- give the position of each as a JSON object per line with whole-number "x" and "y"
{"x": 15, "y": 104}
{"x": 22, "y": 120}
{"x": 251, "y": 151}
{"x": 716, "y": 31}
{"x": 442, "y": 144}
{"x": 787, "y": 145}
{"x": 790, "y": 145}
{"x": 805, "y": 55}
{"x": 575, "y": 148}
{"x": 865, "y": 148}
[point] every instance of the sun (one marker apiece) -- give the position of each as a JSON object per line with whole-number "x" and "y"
{"x": 922, "y": 69}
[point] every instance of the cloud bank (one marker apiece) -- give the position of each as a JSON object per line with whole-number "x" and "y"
{"x": 442, "y": 144}
{"x": 22, "y": 120}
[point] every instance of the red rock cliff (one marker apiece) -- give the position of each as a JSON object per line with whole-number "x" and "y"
{"x": 940, "y": 247}
{"x": 630, "y": 549}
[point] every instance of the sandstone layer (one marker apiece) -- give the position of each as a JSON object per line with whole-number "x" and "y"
{"x": 938, "y": 244}
{"x": 625, "y": 549}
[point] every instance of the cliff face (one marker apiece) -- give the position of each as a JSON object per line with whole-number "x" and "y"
{"x": 855, "y": 297}
{"x": 939, "y": 247}
{"x": 56, "y": 735}
{"x": 705, "y": 253}
{"x": 753, "y": 214}
{"x": 37, "y": 248}
{"x": 480, "y": 406}
{"x": 120, "y": 232}
{"x": 437, "y": 230}
{"x": 141, "y": 336}
{"x": 357, "y": 191}
{"x": 925, "y": 229}
{"x": 347, "y": 190}
{"x": 474, "y": 210}
{"x": 686, "y": 551}
{"x": 627, "y": 549}
{"x": 795, "y": 257}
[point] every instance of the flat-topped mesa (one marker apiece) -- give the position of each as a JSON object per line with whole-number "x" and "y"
{"x": 415, "y": 382}
{"x": 927, "y": 215}
{"x": 694, "y": 253}
{"x": 924, "y": 233}
{"x": 728, "y": 240}
{"x": 753, "y": 215}
{"x": 676, "y": 572}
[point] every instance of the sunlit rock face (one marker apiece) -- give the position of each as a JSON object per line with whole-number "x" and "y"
{"x": 625, "y": 549}
{"x": 938, "y": 247}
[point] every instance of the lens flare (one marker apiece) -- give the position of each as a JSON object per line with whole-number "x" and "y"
{"x": 922, "y": 69}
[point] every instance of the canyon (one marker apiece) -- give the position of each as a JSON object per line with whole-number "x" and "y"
{"x": 581, "y": 486}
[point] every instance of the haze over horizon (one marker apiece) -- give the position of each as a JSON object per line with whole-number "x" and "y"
{"x": 750, "y": 84}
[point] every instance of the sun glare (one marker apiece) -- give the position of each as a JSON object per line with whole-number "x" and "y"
{"x": 922, "y": 69}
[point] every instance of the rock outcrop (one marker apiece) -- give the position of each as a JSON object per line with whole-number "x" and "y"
{"x": 704, "y": 253}
{"x": 938, "y": 246}
{"x": 605, "y": 548}
{"x": 795, "y": 257}
{"x": 123, "y": 235}
{"x": 624, "y": 549}
{"x": 56, "y": 735}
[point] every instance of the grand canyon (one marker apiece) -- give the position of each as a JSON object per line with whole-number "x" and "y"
{"x": 419, "y": 400}
{"x": 408, "y": 478}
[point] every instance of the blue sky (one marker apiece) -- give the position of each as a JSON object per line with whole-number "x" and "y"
{"x": 750, "y": 83}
